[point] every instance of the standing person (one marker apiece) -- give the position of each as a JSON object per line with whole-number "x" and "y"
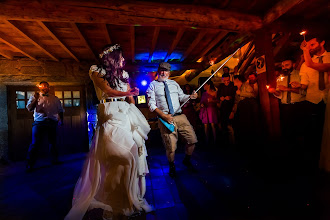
{"x": 246, "y": 110}
{"x": 48, "y": 111}
{"x": 246, "y": 116}
{"x": 226, "y": 94}
{"x": 164, "y": 97}
{"x": 226, "y": 70}
{"x": 325, "y": 146}
{"x": 314, "y": 82}
{"x": 209, "y": 112}
{"x": 113, "y": 176}
{"x": 291, "y": 100}
{"x": 233, "y": 73}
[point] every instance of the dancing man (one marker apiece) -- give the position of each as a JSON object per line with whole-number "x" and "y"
{"x": 164, "y": 97}
{"x": 47, "y": 110}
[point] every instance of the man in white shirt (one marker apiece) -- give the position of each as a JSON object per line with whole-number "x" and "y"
{"x": 164, "y": 97}
{"x": 291, "y": 98}
{"x": 48, "y": 111}
{"x": 315, "y": 82}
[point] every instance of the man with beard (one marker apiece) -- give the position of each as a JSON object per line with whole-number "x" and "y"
{"x": 164, "y": 97}
{"x": 291, "y": 103}
{"x": 314, "y": 82}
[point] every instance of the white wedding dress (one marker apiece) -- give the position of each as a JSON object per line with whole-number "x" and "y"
{"x": 113, "y": 176}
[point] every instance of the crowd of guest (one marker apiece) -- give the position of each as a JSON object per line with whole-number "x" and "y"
{"x": 230, "y": 114}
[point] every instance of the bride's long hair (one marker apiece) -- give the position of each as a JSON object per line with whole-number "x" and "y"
{"x": 110, "y": 62}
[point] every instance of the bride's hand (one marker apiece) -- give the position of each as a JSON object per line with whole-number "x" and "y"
{"x": 134, "y": 91}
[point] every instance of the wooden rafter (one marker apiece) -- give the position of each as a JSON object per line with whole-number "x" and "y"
{"x": 230, "y": 44}
{"x": 245, "y": 55}
{"x": 154, "y": 42}
{"x": 43, "y": 25}
{"x": 132, "y": 33}
{"x": 83, "y": 39}
{"x": 30, "y": 39}
{"x": 129, "y": 13}
{"x": 212, "y": 44}
{"x": 174, "y": 43}
{"x": 12, "y": 44}
{"x": 279, "y": 9}
{"x": 281, "y": 42}
{"x": 151, "y": 67}
{"x": 193, "y": 45}
{"x": 225, "y": 4}
{"x": 107, "y": 34}
{"x": 248, "y": 62}
{"x": 251, "y": 5}
{"x": 6, "y": 54}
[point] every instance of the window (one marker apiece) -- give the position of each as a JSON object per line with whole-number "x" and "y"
{"x": 69, "y": 98}
{"x": 20, "y": 99}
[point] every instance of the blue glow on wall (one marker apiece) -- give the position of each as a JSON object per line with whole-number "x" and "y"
{"x": 158, "y": 56}
{"x": 142, "y": 56}
{"x": 175, "y": 56}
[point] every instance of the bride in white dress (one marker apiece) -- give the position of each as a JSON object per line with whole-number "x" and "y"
{"x": 113, "y": 176}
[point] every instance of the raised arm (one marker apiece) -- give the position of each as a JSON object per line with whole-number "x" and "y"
{"x": 322, "y": 67}
{"x": 32, "y": 103}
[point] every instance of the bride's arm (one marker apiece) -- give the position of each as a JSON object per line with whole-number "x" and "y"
{"x": 105, "y": 87}
{"x": 130, "y": 99}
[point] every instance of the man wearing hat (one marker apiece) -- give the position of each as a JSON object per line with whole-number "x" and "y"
{"x": 164, "y": 97}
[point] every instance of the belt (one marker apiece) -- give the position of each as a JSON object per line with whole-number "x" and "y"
{"x": 111, "y": 100}
{"x": 176, "y": 114}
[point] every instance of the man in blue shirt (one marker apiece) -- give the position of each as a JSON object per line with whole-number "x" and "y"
{"x": 164, "y": 97}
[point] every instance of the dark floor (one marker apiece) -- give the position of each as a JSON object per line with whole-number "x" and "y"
{"x": 226, "y": 187}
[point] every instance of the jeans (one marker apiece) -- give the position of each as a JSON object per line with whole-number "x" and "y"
{"x": 39, "y": 130}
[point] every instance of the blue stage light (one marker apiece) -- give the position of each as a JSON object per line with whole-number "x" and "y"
{"x": 144, "y": 82}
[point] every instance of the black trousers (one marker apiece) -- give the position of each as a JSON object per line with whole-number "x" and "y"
{"x": 40, "y": 129}
{"x": 314, "y": 130}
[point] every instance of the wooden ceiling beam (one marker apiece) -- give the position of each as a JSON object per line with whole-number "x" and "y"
{"x": 212, "y": 44}
{"x": 245, "y": 55}
{"x": 248, "y": 62}
{"x": 174, "y": 43}
{"x": 48, "y": 31}
{"x": 281, "y": 42}
{"x": 12, "y": 44}
{"x": 229, "y": 46}
{"x": 225, "y": 3}
{"x": 6, "y": 54}
{"x": 132, "y": 33}
{"x": 30, "y": 39}
{"x": 83, "y": 39}
{"x": 121, "y": 12}
{"x": 279, "y": 9}
{"x": 199, "y": 37}
{"x": 107, "y": 34}
{"x": 152, "y": 67}
{"x": 154, "y": 42}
